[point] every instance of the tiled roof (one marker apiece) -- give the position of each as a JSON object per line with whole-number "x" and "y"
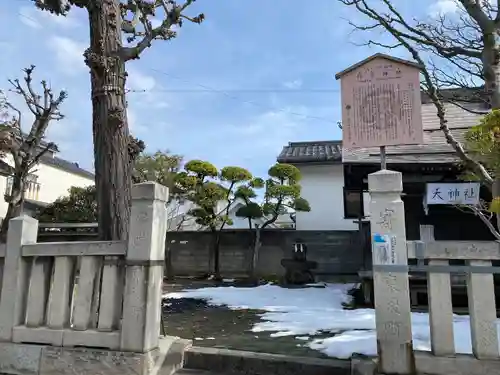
{"x": 459, "y": 95}
{"x": 312, "y": 152}
{"x": 31, "y": 204}
{"x": 5, "y": 169}
{"x": 66, "y": 165}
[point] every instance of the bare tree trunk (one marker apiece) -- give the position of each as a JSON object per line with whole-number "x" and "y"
{"x": 216, "y": 252}
{"x": 109, "y": 120}
{"x": 491, "y": 72}
{"x": 15, "y": 201}
{"x": 496, "y": 193}
{"x": 256, "y": 249}
{"x": 490, "y": 57}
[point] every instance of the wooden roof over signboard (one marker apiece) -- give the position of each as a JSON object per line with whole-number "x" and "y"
{"x": 377, "y": 56}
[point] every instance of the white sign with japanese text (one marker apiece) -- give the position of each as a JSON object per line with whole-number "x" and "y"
{"x": 453, "y": 193}
{"x": 384, "y": 249}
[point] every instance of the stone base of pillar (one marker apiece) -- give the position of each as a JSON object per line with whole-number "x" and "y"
{"x": 49, "y": 360}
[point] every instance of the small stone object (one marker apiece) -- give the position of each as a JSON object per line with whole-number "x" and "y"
{"x": 298, "y": 269}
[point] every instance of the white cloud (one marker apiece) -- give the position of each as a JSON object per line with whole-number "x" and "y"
{"x": 62, "y": 133}
{"x": 37, "y": 19}
{"x": 145, "y": 89}
{"x": 69, "y": 54}
{"x": 295, "y": 84}
{"x": 259, "y": 137}
{"x": 155, "y": 22}
{"x": 134, "y": 122}
{"x": 443, "y": 7}
{"x": 269, "y": 130}
{"x": 139, "y": 81}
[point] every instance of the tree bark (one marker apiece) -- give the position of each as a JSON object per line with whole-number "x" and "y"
{"x": 256, "y": 250}
{"x": 15, "y": 201}
{"x": 491, "y": 73}
{"x": 109, "y": 120}
{"x": 490, "y": 58}
{"x": 216, "y": 255}
{"x": 495, "y": 192}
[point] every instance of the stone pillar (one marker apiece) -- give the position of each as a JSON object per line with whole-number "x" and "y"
{"x": 144, "y": 273}
{"x": 22, "y": 230}
{"x": 391, "y": 289}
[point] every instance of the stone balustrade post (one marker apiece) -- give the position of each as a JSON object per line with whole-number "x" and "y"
{"x": 22, "y": 230}
{"x": 390, "y": 273}
{"x": 144, "y": 272}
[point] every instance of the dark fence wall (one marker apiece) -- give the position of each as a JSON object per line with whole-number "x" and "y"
{"x": 66, "y": 237}
{"x": 336, "y": 252}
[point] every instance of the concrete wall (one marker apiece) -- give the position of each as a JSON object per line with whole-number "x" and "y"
{"x": 323, "y": 187}
{"x": 337, "y": 252}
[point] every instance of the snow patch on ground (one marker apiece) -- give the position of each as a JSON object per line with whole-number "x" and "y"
{"x": 303, "y": 338}
{"x": 310, "y": 311}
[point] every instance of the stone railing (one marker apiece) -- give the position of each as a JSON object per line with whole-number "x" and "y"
{"x": 478, "y": 256}
{"x": 87, "y": 294}
{"x": 390, "y": 253}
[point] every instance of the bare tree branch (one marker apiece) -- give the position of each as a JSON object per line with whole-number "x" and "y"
{"x": 481, "y": 211}
{"x": 27, "y": 150}
{"x": 473, "y": 8}
{"x": 61, "y": 7}
{"x": 50, "y": 146}
{"x": 142, "y": 11}
{"x": 390, "y": 22}
{"x": 468, "y": 44}
{"x": 411, "y": 33}
{"x": 459, "y": 105}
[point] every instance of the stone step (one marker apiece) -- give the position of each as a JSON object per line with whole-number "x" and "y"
{"x": 235, "y": 362}
{"x": 187, "y": 371}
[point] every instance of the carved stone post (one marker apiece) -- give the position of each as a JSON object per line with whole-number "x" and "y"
{"x": 390, "y": 274}
{"x": 144, "y": 274}
{"x": 22, "y": 230}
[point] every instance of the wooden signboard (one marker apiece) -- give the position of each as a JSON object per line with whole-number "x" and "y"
{"x": 381, "y": 104}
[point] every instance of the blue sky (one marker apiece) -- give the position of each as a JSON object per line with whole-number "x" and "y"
{"x": 233, "y": 90}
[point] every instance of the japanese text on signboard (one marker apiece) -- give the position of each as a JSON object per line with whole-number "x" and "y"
{"x": 453, "y": 193}
{"x": 381, "y": 105}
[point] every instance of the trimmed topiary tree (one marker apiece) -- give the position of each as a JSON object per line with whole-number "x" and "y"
{"x": 208, "y": 189}
{"x": 282, "y": 192}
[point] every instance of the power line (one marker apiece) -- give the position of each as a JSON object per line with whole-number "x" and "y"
{"x": 250, "y": 91}
{"x": 27, "y": 17}
{"x": 227, "y": 94}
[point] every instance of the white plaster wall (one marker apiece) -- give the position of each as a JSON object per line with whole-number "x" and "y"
{"x": 239, "y": 223}
{"x": 3, "y": 204}
{"x": 55, "y": 182}
{"x": 366, "y": 204}
{"x": 322, "y": 186}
